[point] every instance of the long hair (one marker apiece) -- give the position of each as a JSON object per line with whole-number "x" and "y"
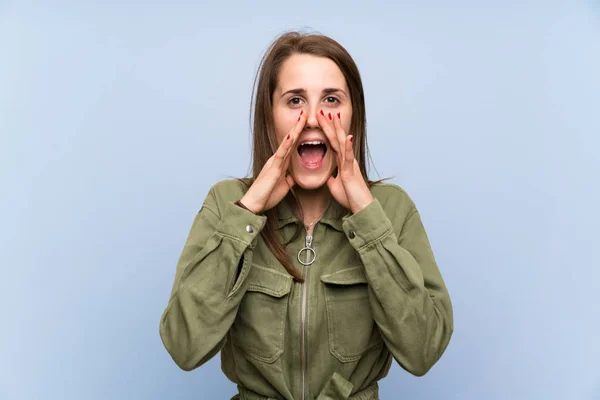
{"x": 263, "y": 128}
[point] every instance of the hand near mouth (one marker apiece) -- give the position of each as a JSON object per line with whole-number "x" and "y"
{"x": 349, "y": 187}
{"x": 272, "y": 184}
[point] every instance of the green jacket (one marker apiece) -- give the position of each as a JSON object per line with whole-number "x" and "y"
{"x": 373, "y": 293}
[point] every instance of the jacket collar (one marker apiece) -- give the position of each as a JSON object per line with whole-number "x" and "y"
{"x": 332, "y": 217}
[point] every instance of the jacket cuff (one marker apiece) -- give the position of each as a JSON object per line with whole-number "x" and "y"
{"x": 241, "y": 224}
{"x": 368, "y": 225}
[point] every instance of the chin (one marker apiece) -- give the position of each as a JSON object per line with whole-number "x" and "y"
{"x": 310, "y": 182}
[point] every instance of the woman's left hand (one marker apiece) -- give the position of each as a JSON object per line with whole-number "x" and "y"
{"x": 349, "y": 187}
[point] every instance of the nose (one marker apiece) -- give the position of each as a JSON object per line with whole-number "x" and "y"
{"x": 311, "y": 116}
{"x": 311, "y": 121}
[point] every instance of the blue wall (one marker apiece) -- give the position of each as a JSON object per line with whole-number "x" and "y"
{"x": 116, "y": 117}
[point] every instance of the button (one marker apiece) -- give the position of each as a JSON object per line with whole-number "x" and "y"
{"x": 249, "y": 228}
{"x": 351, "y": 234}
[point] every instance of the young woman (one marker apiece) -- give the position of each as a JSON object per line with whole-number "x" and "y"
{"x": 308, "y": 277}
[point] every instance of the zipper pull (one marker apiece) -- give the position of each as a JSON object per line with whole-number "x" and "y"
{"x": 309, "y": 252}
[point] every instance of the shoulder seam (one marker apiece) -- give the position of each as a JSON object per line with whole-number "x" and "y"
{"x": 411, "y": 214}
{"x": 209, "y": 208}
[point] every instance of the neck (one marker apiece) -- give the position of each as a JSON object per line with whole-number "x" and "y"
{"x": 313, "y": 202}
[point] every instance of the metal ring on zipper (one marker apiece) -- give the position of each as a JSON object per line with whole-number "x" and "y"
{"x": 307, "y": 262}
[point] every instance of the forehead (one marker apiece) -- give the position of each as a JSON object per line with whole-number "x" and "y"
{"x": 309, "y": 72}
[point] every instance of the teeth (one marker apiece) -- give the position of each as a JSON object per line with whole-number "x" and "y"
{"x": 313, "y": 142}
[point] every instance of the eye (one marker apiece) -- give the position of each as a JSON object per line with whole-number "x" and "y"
{"x": 294, "y": 101}
{"x": 332, "y": 99}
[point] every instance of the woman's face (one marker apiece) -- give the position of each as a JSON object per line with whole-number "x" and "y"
{"x": 312, "y": 84}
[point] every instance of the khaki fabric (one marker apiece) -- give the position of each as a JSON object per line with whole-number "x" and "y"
{"x": 374, "y": 294}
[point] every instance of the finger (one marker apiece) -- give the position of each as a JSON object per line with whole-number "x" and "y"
{"x": 284, "y": 184}
{"x": 349, "y": 156}
{"x": 339, "y": 129}
{"x": 347, "y": 140}
{"x": 329, "y": 130}
{"x": 287, "y": 143}
{"x": 290, "y": 181}
{"x": 341, "y": 135}
{"x": 288, "y": 157}
{"x": 330, "y": 182}
{"x": 286, "y": 162}
{"x": 295, "y": 135}
{"x": 283, "y": 168}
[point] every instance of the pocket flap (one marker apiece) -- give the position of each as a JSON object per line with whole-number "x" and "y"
{"x": 347, "y": 276}
{"x": 269, "y": 281}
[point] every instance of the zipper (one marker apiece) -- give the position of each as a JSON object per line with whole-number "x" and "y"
{"x": 308, "y": 245}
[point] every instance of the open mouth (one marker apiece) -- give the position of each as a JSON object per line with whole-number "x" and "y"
{"x": 312, "y": 153}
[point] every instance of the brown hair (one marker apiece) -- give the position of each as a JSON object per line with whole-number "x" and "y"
{"x": 263, "y": 129}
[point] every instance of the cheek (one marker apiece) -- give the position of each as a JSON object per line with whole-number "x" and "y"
{"x": 283, "y": 124}
{"x": 346, "y": 123}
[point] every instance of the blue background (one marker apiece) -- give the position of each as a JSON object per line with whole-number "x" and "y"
{"x": 116, "y": 118}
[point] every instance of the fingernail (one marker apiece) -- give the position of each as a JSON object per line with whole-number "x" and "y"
{"x": 288, "y": 136}
{"x": 329, "y": 116}
{"x": 339, "y": 116}
{"x": 322, "y": 113}
{"x": 351, "y": 137}
{"x": 299, "y": 117}
{"x": 301, "y": 112}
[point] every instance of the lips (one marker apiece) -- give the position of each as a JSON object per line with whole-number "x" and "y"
{"x": 313, "y": 140}
{"x": 312, "y": 151}
{"x": 313, "y": 137}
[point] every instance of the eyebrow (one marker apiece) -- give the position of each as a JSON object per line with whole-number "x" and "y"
{"x": 324, "y": 91}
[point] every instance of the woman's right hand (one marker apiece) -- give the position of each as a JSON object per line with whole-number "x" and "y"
{"x": 272, "y": 184}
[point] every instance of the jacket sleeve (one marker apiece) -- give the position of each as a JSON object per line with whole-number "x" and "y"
{"x": 409, "y": 300}
{"x": 206, "y": 293}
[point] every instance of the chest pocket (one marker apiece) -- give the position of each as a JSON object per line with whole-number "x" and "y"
{"x": 352, "y": 329}
{"x": 259, "y": 325}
